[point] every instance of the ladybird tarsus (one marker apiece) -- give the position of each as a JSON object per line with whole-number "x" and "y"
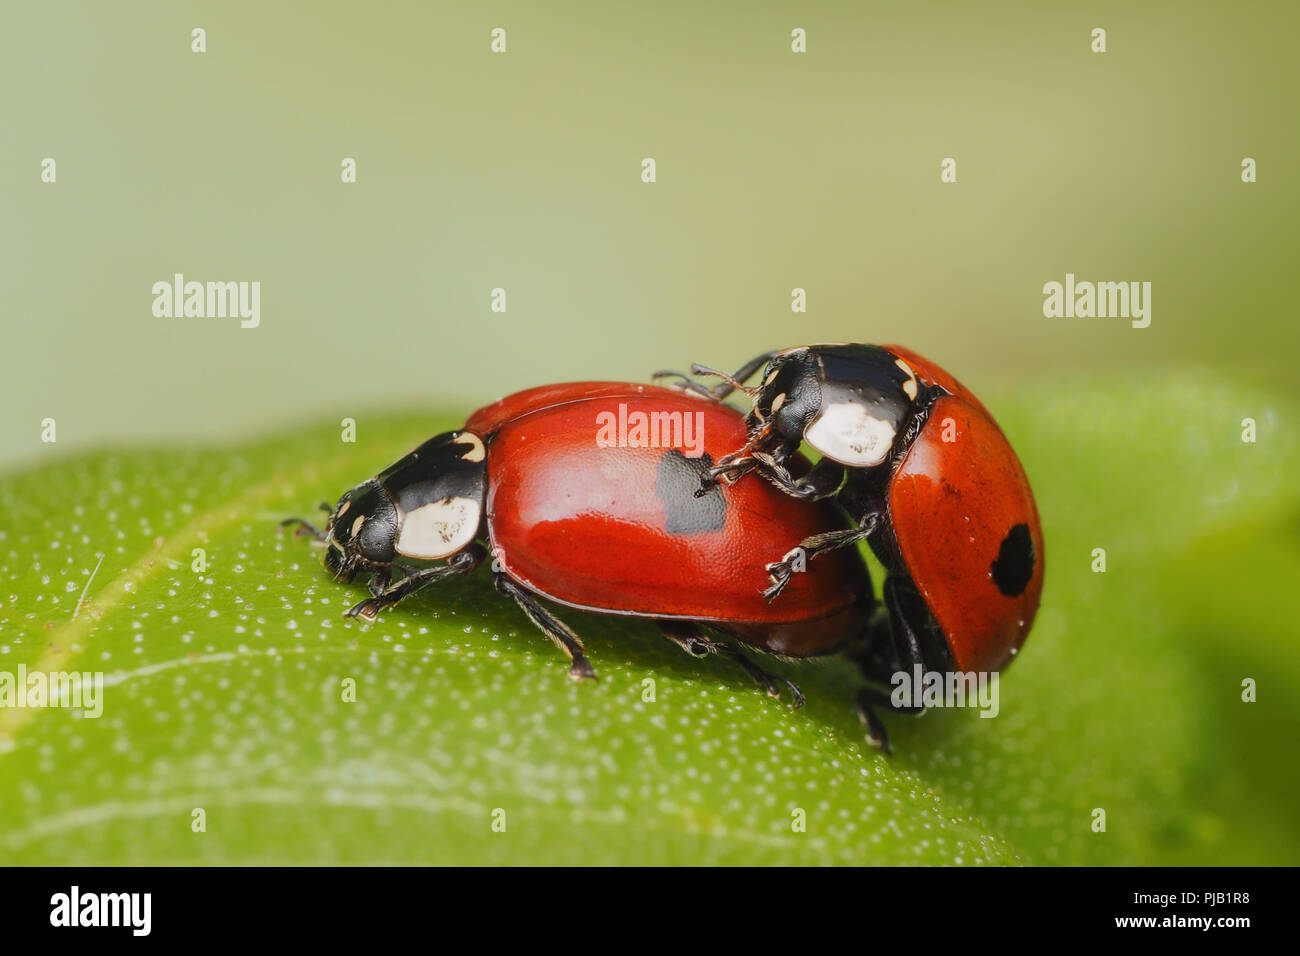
{"x": 781, "y": 571}
{"x": 367, "y": 610}
{"x": 461, "y": 563}
{"x": 551, "y": 626}
{"x": 581, "y": 669}
{"x": 689, "y": 638}
{"x": 876, "y": 734}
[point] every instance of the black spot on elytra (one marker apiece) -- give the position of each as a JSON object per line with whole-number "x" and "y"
{"x": 678, "y": 483}
{"x": 1014, "y": 567}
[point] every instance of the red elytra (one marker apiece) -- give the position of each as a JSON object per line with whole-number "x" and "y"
{"x": 489, "y": 418}
{"x": 933, "y": 374}
{"x": 619, "y": 530}
{"x": 950, "y": 505}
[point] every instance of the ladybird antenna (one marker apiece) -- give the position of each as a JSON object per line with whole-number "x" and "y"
{"x": 303, "y": 528}
{"x": 750, "y": 390}
{"x": 684, "y": 383}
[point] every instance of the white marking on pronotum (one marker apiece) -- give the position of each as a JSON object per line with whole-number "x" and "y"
{"x": 81, "y": 600}
{"x": 475, "y": 452}
{"x": 847, "y": 433}
{"x": 356, "y": 525}
{"x": 909, "y": 387}
{"x": 438, "y": 529}
{"x": 777, "y": 403}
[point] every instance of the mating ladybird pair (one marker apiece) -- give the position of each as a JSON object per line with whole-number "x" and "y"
{"x": 911, "y": 462}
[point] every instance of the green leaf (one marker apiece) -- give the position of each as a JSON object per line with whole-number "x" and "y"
{"x": 224, "y": 689}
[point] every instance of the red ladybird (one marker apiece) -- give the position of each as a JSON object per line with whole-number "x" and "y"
{"x": 931, "y": 482}
{"x": 589, "y": 495}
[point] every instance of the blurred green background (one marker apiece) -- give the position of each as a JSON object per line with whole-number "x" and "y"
{"x": 522, "y": 171}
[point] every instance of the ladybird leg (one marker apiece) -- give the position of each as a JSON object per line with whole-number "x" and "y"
{"x": 899, "y": 631}
{"x": 822, "y": 480}
{"x": 550, "y": 625}
{"x": 730, "y": 468}
{"x": 907, "y": 622}
{"x": 733, "y": 467}
{"x": 876, "y": 697}
{"x": 305, "y": 528}
{"x": 876, "y": 735}
{"x": 893, "y": 643}
{"x": 873, "y": 651}
{"x": 906, "y": 644}
{"x": 460, "y": 563}
{"x": 871, "y": 697}
{"x": 689, "y": 638}
{"x": 739, "y": 463}
{"x": 781, "y": 571}
{"x": 736, "y": 465}
{"x": 379, "y": 582}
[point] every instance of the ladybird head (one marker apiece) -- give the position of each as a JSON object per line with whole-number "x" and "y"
{"x": 360, "y": 530}
{"x": 788, "y": 399}
{"x": 849, "y": 402}
{"x": 427, "y": 506}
